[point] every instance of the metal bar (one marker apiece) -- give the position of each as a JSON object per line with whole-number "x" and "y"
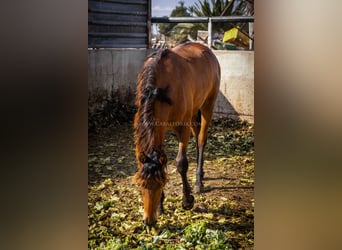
{"x": 232, "y": 19}
{"x": 209, "y": 33}
{"x": 251, "y": 33}
{"x": 179, "y": 19}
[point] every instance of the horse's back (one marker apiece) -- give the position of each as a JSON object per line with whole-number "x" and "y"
{"x": 197, "y": 74}
{"x": 200, "y": 63}
{"x": 191, "y": 50}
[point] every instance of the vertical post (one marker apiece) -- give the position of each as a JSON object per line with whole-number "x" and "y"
{"x": 251, "y": 34}
{"x": 209, "y": 33}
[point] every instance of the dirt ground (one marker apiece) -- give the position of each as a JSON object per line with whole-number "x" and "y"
{"x": 222, "y": 217}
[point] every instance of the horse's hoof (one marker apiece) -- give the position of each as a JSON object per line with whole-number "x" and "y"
{"x": 187, "y": 205}
{"x": 198, "y": 189}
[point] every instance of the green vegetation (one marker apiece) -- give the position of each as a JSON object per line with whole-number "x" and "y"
{"x": 223, "y": 215}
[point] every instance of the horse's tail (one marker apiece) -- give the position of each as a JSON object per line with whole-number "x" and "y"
{"x": 147, "y": 94}
{"x": 153, "y": 93}
{"x": 147, "y": 91}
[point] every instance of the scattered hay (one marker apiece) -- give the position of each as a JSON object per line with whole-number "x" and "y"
{"x": 223, "y": 215}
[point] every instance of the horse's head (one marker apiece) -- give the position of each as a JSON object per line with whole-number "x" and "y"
{"x": 151, "y": 177}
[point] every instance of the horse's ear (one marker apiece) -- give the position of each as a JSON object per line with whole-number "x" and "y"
{"x": 163, "y": 159}
{"x": 142, "y": 157}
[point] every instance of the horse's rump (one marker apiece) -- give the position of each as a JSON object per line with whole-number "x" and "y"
{"x": 191, "y": 74}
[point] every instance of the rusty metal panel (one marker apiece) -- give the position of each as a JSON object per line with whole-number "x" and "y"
{"x": 119, "y": 23}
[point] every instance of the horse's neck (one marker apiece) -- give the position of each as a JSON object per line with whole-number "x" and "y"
{"x": 159, "y": 137}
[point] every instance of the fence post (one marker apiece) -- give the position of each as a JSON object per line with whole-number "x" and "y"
{"x": 209, "y": 33}
{"x": 251, "y": 34}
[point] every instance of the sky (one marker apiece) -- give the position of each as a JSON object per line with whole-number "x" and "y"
{"x": 164, "y": 7}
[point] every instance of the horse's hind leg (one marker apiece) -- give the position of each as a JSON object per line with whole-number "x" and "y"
{"x": 201, "y": 140}
{"x": 183, "y": 134}
{"x": 196, "y": 128}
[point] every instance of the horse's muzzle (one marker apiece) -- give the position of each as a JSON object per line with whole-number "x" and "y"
{"x": 149, "y": 223}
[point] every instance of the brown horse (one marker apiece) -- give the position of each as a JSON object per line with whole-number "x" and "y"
{"x": 176, "y": 90}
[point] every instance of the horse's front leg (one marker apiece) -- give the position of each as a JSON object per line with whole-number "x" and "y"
{"x": 182, "y": 167}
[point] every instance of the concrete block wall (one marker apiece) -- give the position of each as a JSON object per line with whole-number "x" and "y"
{"x": 236, "y": 97}
{"x": 112, "y": 73}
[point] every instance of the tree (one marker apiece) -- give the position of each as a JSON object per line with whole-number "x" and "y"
{"x": 179, "y": 11}
{"x": 224, "y": 8}
{"x": 179, "y": 32}
{"x": 164, "y": 28}
{"x": 204, "y": 8}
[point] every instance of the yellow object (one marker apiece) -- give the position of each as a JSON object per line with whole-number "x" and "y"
{"x": 236, "y": 37}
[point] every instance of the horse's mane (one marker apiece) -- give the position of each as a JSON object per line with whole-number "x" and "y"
{"x": 146, "y": 95}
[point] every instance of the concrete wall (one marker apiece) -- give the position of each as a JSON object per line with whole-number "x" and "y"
{"x": 112, "y": 74}
{"x": 236, "y": 98}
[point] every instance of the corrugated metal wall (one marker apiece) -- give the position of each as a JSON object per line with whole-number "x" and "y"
{"x": 119, "y": 23}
